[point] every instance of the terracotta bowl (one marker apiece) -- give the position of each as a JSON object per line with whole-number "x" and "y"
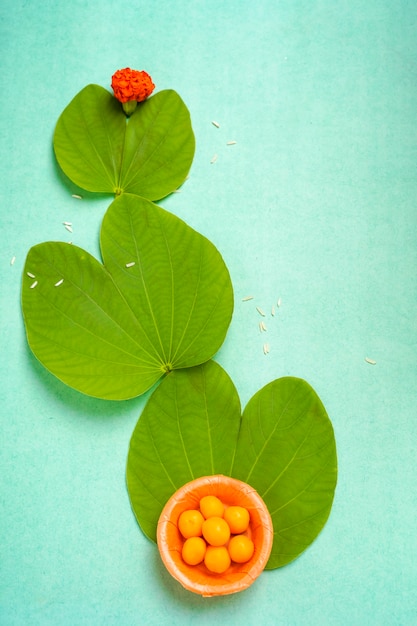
{"x": 197, "y": 578}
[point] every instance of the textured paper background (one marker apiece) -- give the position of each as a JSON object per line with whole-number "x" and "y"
{"x": 316, "y": 204}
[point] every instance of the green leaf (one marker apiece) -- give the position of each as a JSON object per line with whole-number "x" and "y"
{"x": 112, "y": 331}
{"x": 83, "y": 330}
{"x": 179, "y": 284}
{"x": 89, "y": 139}
{"x": 187, "y": 429}
{"x": 150, "y": 154}
{"x": 159, "y": 147}
{"x": 285, "y": 449}
{"x": 287, "y": 452}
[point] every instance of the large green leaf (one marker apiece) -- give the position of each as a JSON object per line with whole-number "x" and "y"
{"x": 287, "y": 452}
{"x": 179, "y": 284}
{"x": 163, "y": 300}
{"x": 285, "y": 449}
{"x": 188, "y": 429}
{"x": 149, "y": 154}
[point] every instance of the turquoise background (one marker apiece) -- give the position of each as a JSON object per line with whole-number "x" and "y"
{"x": 315, "y": 204}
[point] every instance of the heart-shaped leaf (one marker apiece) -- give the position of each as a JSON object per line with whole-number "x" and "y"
{"x": 287, "y": 452}
{"x": 285, "y": 449}
{"x": 187, "y": 429}
{"x": 150, "y": 154}
{"x": 163, "y": 300}
{"x": 179, "y": 283}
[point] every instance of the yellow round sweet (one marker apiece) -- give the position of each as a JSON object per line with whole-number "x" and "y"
{"x": 194, "y": 550}
{"x": 238, "y": 519}
{"x": 216, "y": 531}
{"x": 241, "y": 548}
{"x": 211, "y": 506}
{"x": 190, "y": 523}
{"x": 217, "y": 559}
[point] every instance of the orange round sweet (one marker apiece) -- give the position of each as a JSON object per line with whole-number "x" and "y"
{"x": 211, "y": 506}
{"x": 190, "y": 523}
{"x": 238, "y": 519}
{"x": 216, "y": 531}
{"x": 194, "y": 550}
{"x": 241, "y": 548}
{"x": 217, "y": 559}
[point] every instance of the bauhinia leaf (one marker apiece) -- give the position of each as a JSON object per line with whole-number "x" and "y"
{"x": 89, "y": 139}
{"x": 188, "y": 429}
{"x": 287, "y": 452}
{"x": 179, "y": 284}
{"x": 80, "y": 327}
{"x": 159, "y": 146}
{"x": 150, "y": 154}
{"x": 285, "y": 449}
{"x": 163, "y": 300}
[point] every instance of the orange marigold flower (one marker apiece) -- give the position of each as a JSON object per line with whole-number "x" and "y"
{"x": 131, "y": 85}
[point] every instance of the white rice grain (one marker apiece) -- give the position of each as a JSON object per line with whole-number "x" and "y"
{"x": 77, "y": 196}
{"x": 131, "y": 264}
{"x": 30, "y": 274}
{"x": 260, "y": 311}
{"x": 214, "y": 158}
{"x": 246, "y": 298}
{"x": 12, "y": 260}
{"x": 371, "y": 361}
{"x": 59, "y": 282}
{"x": 216, "y": 124}
{"x": 33, "y": 285}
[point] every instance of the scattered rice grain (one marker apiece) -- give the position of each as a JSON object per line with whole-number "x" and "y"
{"x": 33, "y": 285}
{"x": 214, "y": 159}
{"x": 131, "y": 264}
{"x": 263, "y": 327}
{"x": 68, "y": 227}
{"x": 59, "y": 282}
{"x": 279, "y": 302}
{"x": 30, "y": 274}
{"x": 216, "y": 124}
{"x": 266, "y": 348}
{"x": 273, "y": 311}
{"x": 260, "y": 311}
{"x": 77, "y": 196}
{"x": 12, "y": 260}
{"x": 246, "y": 298}
{"x": 231, "y": 143}
{"x": 371, "y": 361}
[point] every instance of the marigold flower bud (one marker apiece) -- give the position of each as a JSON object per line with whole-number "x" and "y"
{"x": 131, "y": 87}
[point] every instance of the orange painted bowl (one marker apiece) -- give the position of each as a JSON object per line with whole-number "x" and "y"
{"x": 197, "y": 578}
